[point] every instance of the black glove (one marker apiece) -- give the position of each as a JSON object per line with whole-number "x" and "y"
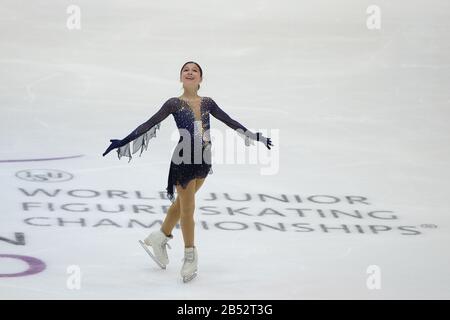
{"x": 115, "y": 143}
{"x": 267, "y": 142}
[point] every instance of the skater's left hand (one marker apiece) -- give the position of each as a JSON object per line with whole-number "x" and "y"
{"x": 267, "y": 142}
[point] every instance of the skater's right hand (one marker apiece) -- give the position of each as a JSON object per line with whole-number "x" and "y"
{"x": 115, "y": 143}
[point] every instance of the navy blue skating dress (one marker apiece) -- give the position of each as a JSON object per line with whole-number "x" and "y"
{"x": 192, "y": 156}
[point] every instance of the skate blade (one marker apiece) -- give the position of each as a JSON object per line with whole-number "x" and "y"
{"x": 162, "y": 266}
{"x": 189, "y": 278}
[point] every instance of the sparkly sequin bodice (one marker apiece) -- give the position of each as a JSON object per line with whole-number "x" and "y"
{"x": 193, "y": 125}
{"x": 186, "y": 118}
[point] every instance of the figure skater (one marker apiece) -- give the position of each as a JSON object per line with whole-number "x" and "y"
{"x": 190, "y": 163}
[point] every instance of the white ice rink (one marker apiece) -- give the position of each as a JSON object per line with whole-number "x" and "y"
{"x": 356, "y": 205}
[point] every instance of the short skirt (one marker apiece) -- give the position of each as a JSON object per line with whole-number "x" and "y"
{"x": 181, "y": 172}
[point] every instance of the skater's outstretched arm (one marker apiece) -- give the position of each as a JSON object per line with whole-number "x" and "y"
{"x": 221, "y": 115}
{"x": 142, "y": 133}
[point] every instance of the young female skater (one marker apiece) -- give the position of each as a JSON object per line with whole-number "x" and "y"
{"x": 190, "y": 164}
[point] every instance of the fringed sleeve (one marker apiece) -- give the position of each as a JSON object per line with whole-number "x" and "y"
{"x": 248, "y": 136}
{"x": 138, "y": 139}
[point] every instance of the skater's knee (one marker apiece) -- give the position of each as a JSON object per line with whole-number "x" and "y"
{"x": 173, "y": 211}
{"x": 187, "y": 210}
{"x": 174, "y": 208}
{"x": 187, "y": 204}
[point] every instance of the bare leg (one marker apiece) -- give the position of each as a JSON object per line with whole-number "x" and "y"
{"x": 172, "y": 217}
{"x": 173, "y": 213}
{"x": 187, "y": 208}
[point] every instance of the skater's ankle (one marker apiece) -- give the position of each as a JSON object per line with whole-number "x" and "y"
{"x": 166, "y": 234}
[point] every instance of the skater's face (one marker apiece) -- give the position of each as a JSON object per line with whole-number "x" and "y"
{"x": 190, "y": 76}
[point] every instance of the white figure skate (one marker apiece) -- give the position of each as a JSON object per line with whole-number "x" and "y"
{"x": 158, "y": 241}
{"x": 189, "y": 269}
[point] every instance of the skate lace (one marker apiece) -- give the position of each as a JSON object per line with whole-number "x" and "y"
{"x": 165, "y": 244}
{"x": 189, "y": 257}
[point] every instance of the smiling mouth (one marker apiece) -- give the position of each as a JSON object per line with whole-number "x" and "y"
{"x": 189, "y": 78}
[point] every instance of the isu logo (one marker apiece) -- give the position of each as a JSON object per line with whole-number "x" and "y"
{"x": 44, "y": 175}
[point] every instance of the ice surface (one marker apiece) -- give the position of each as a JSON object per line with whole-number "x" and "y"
{"x": 361, "y": 115}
